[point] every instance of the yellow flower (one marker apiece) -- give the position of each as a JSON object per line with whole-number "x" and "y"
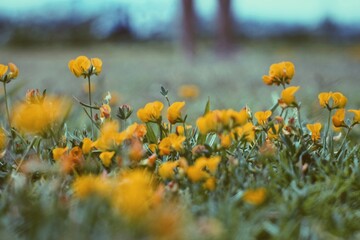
{"x": 280, "y": 73}
{"x": 3, "y": 70}
{"x": 88, "y": 185}
{"x": 135, "y": 194}
{"x": 274, "y": 135}
{"x": 97, "y": 65}
{"x": 171, "y": 143}
{"x": 196, "y": 174}
{"x": 188, "y": 91}
{"x": 151, "y": 112}
{"x": 14, "y": 71}
{"x": 37, "y": 118}
{"x": 287, "y": 96}
{"x": 206, "y": 123}
{"x": 212, "y": 164}
{"x": 338, "y": 100}
{"x": 109, "y": 136}
{"x": 174, "y": 112}
{"x": 58, "y": 153}
{"x": 262, "y": 117}
{"x": 246, "y": 132}
{"x": 166, "y": 169}
{"x": 3, "y": 140}
{"x": 240, "y": 118}
{"x": 225, "y": 140}
{"x": 324, "y": 98}
{"x": 105, "y": 111}
{"x": 106, "y": 157}
{"x": 338, "y": 118}
{"x": 210, "y": 184}
{"x": 83, "y": 66}
{"x": 315, "y": 130}
{"x": 87, "y": 145}
{"x": 356, "y": 119}
{"x": 255, "y": 196}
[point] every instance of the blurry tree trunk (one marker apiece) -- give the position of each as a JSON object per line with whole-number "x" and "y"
{"x": 188, "y": 27}
{"x": 224, "y": 28}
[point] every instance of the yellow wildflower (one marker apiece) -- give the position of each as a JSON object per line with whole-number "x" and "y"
{"x": 189, "y": 91}
{"x": 171, "y": 143}
{"x": 87, "y": 145}
{"x": 274, "y": 135}
{"x": 246, "y": 132}
{"x": 37, "y": 118}
{"x": 174, "y": 112}
{"x": 356, "y": 119}
{"x": 58, "y": 153}
{"x": 151, "y": 112}
{"x": 280, "y": 73}
{"x": 105, "y": 111}
{"x": 88, "y": 185}
{"x": 287, "y": 96}
{"x": 225, "y": 140}
{"x": 97, "y": 65}
{"x": 338, "y": 100}
{"x": 3, "y": 140}
{"x": 196, "y": 174}
{"x": 315, "y": 130}
{"x": 109, "y": 136}
{"x": 338, "y": 118}
{"x": 7, "y": 73}
{"x": 210, "y": 184}
{"x": 255, "y": 196}
{"x": 3, "y": 70}
{"x": 106, "y": 157}
{"x": 166, "y": 169}
{"x": 262, "y": 117}
{"x": 135, "y": 194}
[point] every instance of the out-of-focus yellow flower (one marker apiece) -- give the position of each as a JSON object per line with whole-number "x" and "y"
{"x": 274, "y": 134}
{"x": 171, "y": 143}
{"x": 37, "y": 118}
{"x": 58, "y": 153}
{"x": 86, "y": 87}
{"x": 105, "y": 111}
{"x": 287, "y": 96}
{"x": 88, "y": 185}
{"x": 315, "y": 130}
{"x": 7, "y": 73}
{"x": 151, "y": 112}
{"x": 174, "y": 112}
{"x": 189, "y": 91}
{"x": 136, "y": 150}
{"x": 135, "y": 194}
{"x": 356, "y": 119}
{"x": 71, "y": 160}
{"x": 87, "y": 144}
{"x": 338, "y": 100}
{"x": 212, "y": 164}
{"x": 262, "y": 117}
{"x": 196, "y": 174}
{"x": 246, "y": 132}
{"x": 166, "y": 169}
{"x": 202, "y": 168}
{"x": 338, "y": 118}
{"x": 210, "y": 184}
{"x": 109, "y": 136}
{"x": 280, "y": 73}
{"x": 106, "y": 157}
{"x": 255, "y": 196}
{"x": 206, "y": 123}
{"x": 225, "y": 140}
{"x": 3, "y": 140}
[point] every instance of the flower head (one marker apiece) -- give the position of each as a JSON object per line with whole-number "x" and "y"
{"x": 255, "y": 196}
{"x": 287, "y": 96}
{"x": 338, "y": 118}
{"x": 106, "y": 157}
{"x": 314, "y": 130}
{"x": 171, "y": 143}
{"x": 151, "y": 112}
{"x": 9, "y": 72}
{"x": 356, "y": 119}
{"x": 262, "y": 117}
{"x": 280, "y": 73}
{"x": 83, "y": 66}
{"x": 338, "y": 100}
{"x": 3, "y": 140}
{"x": 166, "y": 169}
{"x": 174, "y": 112}
{"x": 188, "y": 91}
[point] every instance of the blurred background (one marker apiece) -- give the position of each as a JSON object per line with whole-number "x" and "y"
{"x": 221, "y": 47}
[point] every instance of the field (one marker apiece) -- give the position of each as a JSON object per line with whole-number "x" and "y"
{"x": 217, "y": 166}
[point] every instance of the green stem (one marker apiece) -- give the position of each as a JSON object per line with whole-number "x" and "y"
{"x": 327, "y": 130}
{"x": 299, "y": 119}
{"x": 343, "y": 142}
{"x": 26, "y": 153}
{"x": 7, "y": 106}
{"x": 91, "y": 113}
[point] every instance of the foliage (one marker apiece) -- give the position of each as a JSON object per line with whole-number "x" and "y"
{"x": 230, "y": 176}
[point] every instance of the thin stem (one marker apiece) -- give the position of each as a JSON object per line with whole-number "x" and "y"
{"x": 7, "y": 106}
{"x": 346, "y": 135}
{"x": 299, "y": 119}
{"x": 327, "y": 129}
{"x": 26, "y": 153}
{"x": 91, "y": 113}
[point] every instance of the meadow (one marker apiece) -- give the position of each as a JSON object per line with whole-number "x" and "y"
{"x": 262, "y": 145}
